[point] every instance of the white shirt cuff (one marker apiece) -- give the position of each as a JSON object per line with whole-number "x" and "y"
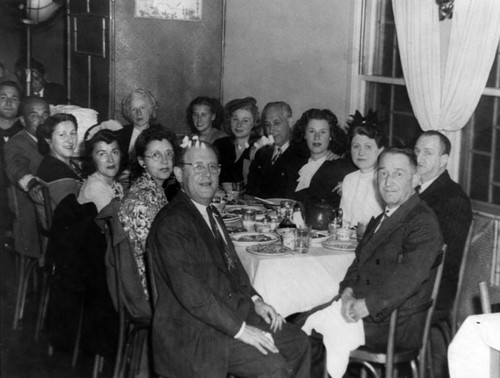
{"x": 23, "y": 181}
{"x": 240, "y": 332}
{"x": 255, "y": 298}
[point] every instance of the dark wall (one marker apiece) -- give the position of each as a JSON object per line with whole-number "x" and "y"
{"x": 176, "y": 60}
{"x": 47, "y": 39}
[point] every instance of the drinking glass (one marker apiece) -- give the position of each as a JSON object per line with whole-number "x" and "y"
{"x": 302, "y": 241}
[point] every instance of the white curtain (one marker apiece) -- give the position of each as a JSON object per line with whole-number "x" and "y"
{"x": 446, "y": 103}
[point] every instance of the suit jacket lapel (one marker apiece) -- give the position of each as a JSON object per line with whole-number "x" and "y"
{"x": 395, "y": 221}
{"x": 436, "y": 186}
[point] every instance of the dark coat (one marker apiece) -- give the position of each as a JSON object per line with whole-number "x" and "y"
{"x": 392, "y": 269}
{"x": 268, "y": 180}
{"x": 199, "y": 307}
{"x": 328, "y": 176}
{"x": 124, "y": 136}
{"x": 231, "y": 169}
{"x": 76, "y": 251}
{"x": 454, "y": 213}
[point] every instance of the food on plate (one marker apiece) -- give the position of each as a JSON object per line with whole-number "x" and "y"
{"x": 258, "y": 238}
{"x": 269, "y": 249}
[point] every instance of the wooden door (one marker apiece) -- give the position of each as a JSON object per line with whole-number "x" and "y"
{"x": 89, "y": 69}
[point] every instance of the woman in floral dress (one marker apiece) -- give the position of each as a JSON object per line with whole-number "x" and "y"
{"x": 155, "y": 151}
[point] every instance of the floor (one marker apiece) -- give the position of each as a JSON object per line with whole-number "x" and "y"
{"x": 20, "y": 355}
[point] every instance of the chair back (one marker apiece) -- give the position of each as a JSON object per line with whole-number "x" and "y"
{"x": 44, "y": 215}
{"x": 489, "y": 296}
{"x": 481, "y": 262}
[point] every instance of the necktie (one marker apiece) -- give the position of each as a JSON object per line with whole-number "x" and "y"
{"x": 220, "y": 241}
{"x": 276, "y": 155}
{"x": 384, "y": 217}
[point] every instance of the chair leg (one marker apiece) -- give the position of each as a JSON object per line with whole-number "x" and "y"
{"x": 414, "y": 370}
{"x": 26, "y": 267}
{"x": 42, "y": 307}
{"x": 97, "y": 368}
{"x": 135, "y": 364}
{"x": 118, "y": 368}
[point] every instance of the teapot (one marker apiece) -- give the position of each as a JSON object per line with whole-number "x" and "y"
{"x": 319, "y": 215}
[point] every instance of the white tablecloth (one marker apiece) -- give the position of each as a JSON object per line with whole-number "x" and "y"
{"x": 470, "y": 352}
{"x": 298, "y": 282}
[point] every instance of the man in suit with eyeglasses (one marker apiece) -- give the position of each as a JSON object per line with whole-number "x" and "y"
{"x": 208, "y": 320}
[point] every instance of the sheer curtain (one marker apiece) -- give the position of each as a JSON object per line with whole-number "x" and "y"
{"x": 446, "y": 103}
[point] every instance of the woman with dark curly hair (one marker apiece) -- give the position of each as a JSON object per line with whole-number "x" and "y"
{"x": 57, "y": 141}
{"x": 102, "y": 164}
{"x": 319, "y": 177}
{"x": 204, "y": 116}
{"x": 155, "y": 150}
{"x": 242, "y": 123}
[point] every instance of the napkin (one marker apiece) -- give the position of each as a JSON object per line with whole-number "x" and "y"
{"x": 339, "y": 337}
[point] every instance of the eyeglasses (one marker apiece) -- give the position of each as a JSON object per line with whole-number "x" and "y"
{"x": 200, "y": 167}
{"x": 157, "y": 156}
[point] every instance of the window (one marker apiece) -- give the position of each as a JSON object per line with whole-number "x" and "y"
{"x": 384, "y": 90}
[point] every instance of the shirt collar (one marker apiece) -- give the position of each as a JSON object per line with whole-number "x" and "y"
{"x": 283, "y": 147}
{"x": 426, "y": 184}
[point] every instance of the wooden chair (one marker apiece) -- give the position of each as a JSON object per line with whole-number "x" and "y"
{"x": 368, "y": 359}
{"x": 28, "y": 265}
{"x": 133, "y": 331}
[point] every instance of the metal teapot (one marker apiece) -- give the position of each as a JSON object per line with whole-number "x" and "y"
{"x": 319, "y": 215}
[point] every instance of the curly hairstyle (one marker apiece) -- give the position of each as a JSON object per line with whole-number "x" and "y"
{"x": 338, "y": 144}
{"x": 126, "y": 104}
{"x": 105, "y": 135}
{"x": 215, "y": 108}
{"x": 247, "y": 103}
{"x": 46, "y": 129}
{"x": 141, "y": 144}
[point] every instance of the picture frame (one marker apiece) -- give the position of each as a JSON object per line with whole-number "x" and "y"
{"x": 179, "y": 10}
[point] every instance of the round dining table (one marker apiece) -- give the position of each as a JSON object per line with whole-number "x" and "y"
{"x": 296, "y": 282}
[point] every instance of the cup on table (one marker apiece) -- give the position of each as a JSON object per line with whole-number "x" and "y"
{"x": 249, "y": 220}
{"x": 343, "y": 234}
{"x": 302, "y": 239}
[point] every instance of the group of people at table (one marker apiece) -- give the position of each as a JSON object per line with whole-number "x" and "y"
{"x": 208, "y": 321}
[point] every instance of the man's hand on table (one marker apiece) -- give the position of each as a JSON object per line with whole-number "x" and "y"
{"x": 269, "y": 314}
{"x": 259, "y": 339}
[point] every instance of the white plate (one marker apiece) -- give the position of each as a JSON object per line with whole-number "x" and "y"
{"x": 246, "y": 239}
{"x": 239, "y": 210}
{"x": 230, "y": 218}
{"x": 339, "y": 245}
{"x": 321, "y": 236}
{"x": 269, "y": 249}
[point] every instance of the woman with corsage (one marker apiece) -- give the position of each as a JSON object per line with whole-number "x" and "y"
{"x": 155, "y": 150}
{"x": 243, "y": 126}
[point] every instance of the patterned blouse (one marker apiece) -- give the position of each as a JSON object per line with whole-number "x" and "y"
{"x": 137, "y": 212}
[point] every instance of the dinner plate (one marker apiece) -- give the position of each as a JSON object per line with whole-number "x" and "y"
{"x": 318, "y": 237}
{"x": 230, "y": 218}
{"x": 239, "y": 210}
{"x": 246, "y": 239}
{"x": 336, "y": 245}
{"x": 276, "y": 249}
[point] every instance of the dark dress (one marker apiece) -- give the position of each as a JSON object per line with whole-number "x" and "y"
{"x": 231, "y": 170}
{"x": 322, "y": 183}
{"x": 60, "y": 177}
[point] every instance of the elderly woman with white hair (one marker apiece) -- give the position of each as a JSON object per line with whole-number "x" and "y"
{"x": 139, "y": 108}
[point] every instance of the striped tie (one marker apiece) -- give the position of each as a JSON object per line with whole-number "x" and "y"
{"x": 276, "y": 155}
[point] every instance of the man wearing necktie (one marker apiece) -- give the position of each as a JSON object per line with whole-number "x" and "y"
{"x": 208, "y": 320}
{"x": 394, "y": 258}
{"x": 276, "y": 166}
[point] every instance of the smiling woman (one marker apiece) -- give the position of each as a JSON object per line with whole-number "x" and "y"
{"x": 103, "y": 158}
{"x": 57, "y": 140}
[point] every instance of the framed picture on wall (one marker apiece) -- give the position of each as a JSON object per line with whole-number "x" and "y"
{"x": 183, "y": 10}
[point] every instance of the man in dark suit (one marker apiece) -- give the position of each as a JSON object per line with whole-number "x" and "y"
{"x": 22, "y": 160}
{"x": 454, "y": 213}
{"x": 10, "y": 100}
{"x": 275, "y": 166}
{"x": 208, "y": 320}
{"x": 53, "y": 93}
{"x": 392, "y": 268}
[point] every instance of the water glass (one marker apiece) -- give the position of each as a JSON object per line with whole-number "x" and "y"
{"x": 302, "y": 240}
